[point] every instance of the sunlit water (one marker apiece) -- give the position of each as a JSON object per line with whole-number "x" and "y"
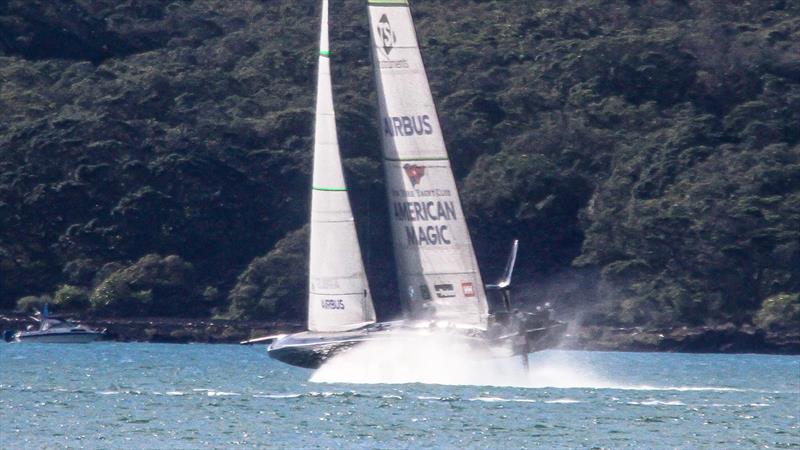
{"x": 113, "y": 395}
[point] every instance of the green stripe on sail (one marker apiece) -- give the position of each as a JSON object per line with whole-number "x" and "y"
{"x": 326, "y": 53}
{"x": 419, "y": 158}
{"x": 388, "y": 2}
{"x": 329, "y": 189}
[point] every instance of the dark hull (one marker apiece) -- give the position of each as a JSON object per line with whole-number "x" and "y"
{"x": 310, "y": 350}
{"x": 310, "y": 356}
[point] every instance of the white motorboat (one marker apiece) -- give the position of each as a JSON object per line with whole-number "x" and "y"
{"x": 56, "y": 330}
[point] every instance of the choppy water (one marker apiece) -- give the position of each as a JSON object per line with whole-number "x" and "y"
{"x": 114, "y": 395}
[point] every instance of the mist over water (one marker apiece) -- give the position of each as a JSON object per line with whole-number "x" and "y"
{"x": 444, "y": 360}
{"x": 441, "y": 359}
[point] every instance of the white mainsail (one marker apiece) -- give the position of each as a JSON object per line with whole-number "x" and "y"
{"x": 436, "y": 262}
{"x": 339, "y": 298}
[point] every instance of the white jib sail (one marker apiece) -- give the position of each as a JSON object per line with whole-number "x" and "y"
{"x": 339, "y": 298}
{"x": 436, "y": 263}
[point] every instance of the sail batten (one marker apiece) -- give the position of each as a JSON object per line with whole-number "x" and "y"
{"x": 339, "y": 298}
{"x": 417, "y": 158}
{"x": 437, "y": 268}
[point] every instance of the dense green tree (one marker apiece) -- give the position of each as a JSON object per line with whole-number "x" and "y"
{"x": 152, "y": 286}
{"x": 780, "y": 311}
{"x": 646, "y": 153}
{"x": 71, "y": 298}
{"x": 274, "y": 285}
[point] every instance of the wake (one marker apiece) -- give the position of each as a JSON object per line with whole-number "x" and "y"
{"x": 440, "y": 359}
{"x": 443, "y": 360}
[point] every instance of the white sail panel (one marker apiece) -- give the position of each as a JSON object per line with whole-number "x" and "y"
{"x": 436, "y": 262}
{"x": 339, "y": 297}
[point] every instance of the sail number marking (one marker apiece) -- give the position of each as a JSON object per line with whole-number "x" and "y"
{"x": 332, "y": 303}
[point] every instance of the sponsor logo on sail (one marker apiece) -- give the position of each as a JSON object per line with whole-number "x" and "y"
{"x": 420, "y": 193}
{"x": 397, "y": 126}
{"x": 414, "y": 173}
{"x": 387, "y": 39}
{"x": 444, "y": 290}
{"x": 425, "y": 211}
{"x": 386, "y": 35}
{"x": 332, "y": 303}
{"x": 430, "y": 211}
{"x": 430, "y": 235}
{"x": 469, "y": 289}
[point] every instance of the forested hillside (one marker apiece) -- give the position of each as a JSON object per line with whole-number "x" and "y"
{"x": 155, "y": 156}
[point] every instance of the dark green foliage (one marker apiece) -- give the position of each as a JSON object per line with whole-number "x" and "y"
{"x": 274, "y": 285}
{"x": 525, "y": 195}
{"x": 71, "y": 298}
{"x": 32, "y": 303}
{"x": 646, "y": 153}
{"x": 153, "y": 286}
{"x": 780, "y": 311}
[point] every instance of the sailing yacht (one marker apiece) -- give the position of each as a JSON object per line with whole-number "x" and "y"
{"x": 441, "y": 286}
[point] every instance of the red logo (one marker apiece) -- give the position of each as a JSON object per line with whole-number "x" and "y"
{"x": 414, "y": 172}
{"x": 469, "y": 290}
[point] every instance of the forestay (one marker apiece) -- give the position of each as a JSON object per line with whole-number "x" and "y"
{"x": 437, "y": 269}
{"x": 339, "y": 296}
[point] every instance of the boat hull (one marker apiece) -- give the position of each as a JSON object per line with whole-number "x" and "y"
{"x": 57, "y": 338}
{"x": 310, "y": 350}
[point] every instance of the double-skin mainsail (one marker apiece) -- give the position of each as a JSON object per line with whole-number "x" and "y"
{"x": 437, "y": 269}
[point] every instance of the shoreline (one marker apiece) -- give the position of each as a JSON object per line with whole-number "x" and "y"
{"x": 726, "y": 338}
{"x": 166, "y": 329}
{"x": 703, "y": 339}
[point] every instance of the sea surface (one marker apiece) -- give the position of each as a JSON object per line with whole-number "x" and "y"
{"x": 128, "y": 395}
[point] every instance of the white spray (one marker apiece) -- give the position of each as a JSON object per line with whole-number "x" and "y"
{"x": 440, "y": 359}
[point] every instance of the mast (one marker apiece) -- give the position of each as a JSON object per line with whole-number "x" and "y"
{"x": 339, "y": 298}
{"x": 437, "y": 268}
